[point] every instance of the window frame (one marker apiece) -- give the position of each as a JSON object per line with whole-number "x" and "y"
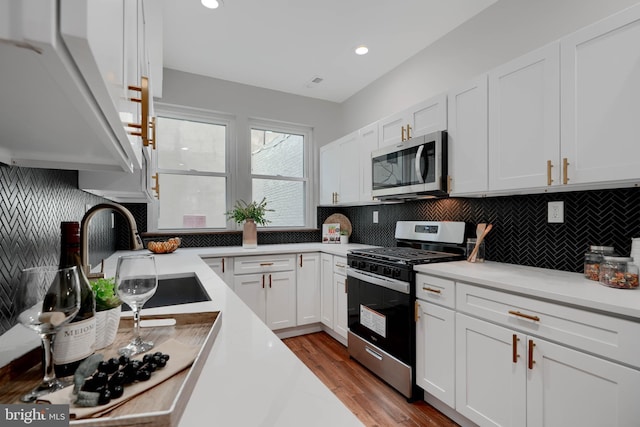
{"x": 238, "y": 175}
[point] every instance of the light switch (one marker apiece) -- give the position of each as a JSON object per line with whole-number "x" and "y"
{"x": 375, "y": 217}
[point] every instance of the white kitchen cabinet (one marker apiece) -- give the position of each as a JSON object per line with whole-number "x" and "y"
{"x": 524, "y": 121}
{"x": 507, "y": 378}
{"x": 223, "y": 267}
{"x": 435, "y": 351}
{"x": 601, "y": 100}
{"x": 267, "y": 284}
{"x": 420, "y": 119}
{"x": 467, "y": 138}
{"x": 63, "y": 75}
{"x": 326, "y": 291}
{"x": 340, "y": 303}
{"x": 368, "y": 142}
{"x": 345, "y": 168}
{"x": 308, "y": 288}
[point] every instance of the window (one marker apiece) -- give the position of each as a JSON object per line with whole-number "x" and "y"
{"x": 192, "y": 168}
{"x": 203, "y": 170}
{"x": 279, "y": 173}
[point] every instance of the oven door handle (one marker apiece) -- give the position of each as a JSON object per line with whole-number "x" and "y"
{"x": 385, "y": 282}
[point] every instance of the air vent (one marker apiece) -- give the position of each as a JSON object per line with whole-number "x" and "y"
{"x": 315, "y": 81}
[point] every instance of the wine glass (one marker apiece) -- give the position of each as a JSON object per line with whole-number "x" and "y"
{"x": 47, "y": 299}
{"x": 136, "y": 282}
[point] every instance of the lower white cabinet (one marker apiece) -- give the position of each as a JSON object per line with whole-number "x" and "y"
{"x": 308, "y": 288}
{"x": 269, "y": 289}
{"x": 435, "y": 351}
{"x": 508, "y": 378}
{"x": 326, "y": 290}
{"x": 340, "y": 308}
{"x": 223, "y": 267}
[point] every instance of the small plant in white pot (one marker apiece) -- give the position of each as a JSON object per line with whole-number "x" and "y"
{"x": 252, "y": 214}
{"x": 344, "y": 237}
{"x": 108, "y": 308}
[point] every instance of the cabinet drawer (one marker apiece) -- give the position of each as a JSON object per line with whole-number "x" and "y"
{"x": 340, "y": 265}
{"x": 264, "y": 264}
{"x": 436, "y": 290}
{"x": 603, "y": 335}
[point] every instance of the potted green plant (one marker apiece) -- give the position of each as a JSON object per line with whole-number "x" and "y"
{"x": 344, "y": 237}
{"x": 252, "y": 214}
{"x": 108, "y": 308}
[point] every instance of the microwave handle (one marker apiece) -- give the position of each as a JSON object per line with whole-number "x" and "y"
{"x": 418, "y": 167}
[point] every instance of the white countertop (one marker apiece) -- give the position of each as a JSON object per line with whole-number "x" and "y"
{"x": 553, "y": 285}
{"x": 250, "y": 377}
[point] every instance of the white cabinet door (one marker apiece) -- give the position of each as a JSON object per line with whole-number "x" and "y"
{"x": 251, "y": 288}
{"x": 392, "y": 129}
{"x": 368, "y": 142}
{"x": 467, "y": 138}
{"x": 341, "y": 310}
{"x": 349, "y": 155}
{"x": 490, "y": 387}
{"x": 281, "y": 299}
{"x": 435, "y": 351}
{"x": 223, "y": 267}
{"x": 308, "y": 288}
{"x": 524, "y": 121}
{"x": 329, "y": 173}
{"x": 428, "y": 116}
{"x": 567, "y": 387}
{"x": 601, "y": 100}
{"x": 327, "y": 290}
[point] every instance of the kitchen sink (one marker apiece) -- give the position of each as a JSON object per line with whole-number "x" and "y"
{"x": 175, "y": 290}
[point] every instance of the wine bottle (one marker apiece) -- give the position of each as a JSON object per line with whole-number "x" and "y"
{"x": 75, "y": 341}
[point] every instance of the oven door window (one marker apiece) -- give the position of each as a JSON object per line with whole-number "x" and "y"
{"x": 381, "y": 316}
{"x": 411, "y": 166}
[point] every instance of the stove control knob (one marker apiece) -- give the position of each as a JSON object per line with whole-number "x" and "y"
{"x": 373, "y": 267}
{"x": 354, "y": 263}
{"x": 386, "y": 271}
{"x": 362, "y": 265}
{"x": 396, "y": 272}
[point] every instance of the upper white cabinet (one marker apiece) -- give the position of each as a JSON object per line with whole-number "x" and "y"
{"x": 600, "y": 110}
{"x": 467, "y": 138}
{"x": 426, "y": 117}
{"x": 345, "y": 167}
{"x": 524, "y": 121}
{"x": 64, "y": 77}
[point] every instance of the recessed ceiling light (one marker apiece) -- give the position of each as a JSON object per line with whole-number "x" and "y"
{"x": 362, "y": 50}
{"x": 185, "y": 148}
{"x": 211, "y": 4}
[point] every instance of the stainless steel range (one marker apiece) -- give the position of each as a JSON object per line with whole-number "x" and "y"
{"x": 381, "y": 298}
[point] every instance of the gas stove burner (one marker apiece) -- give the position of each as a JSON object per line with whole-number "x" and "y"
{"x": 403, "y": 255}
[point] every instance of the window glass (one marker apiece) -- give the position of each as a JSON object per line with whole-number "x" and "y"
{"x": 286, "y": 198}
{"x": 190, "y": 145}
{"x": 277, "y": 153}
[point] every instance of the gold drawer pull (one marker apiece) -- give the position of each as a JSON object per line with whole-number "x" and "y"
{"x": 549, "y": 178}
{"x": 531, "y": 361}
{"x": 515, "y": 348}
{"x": 565, "y": 171}
{"x": 526, "y": 316}
{"x": 156, "y": 188}
{"x": 265, "y": 264}
{"x": 416, "y": 312}
{"x": 435, "y": 291}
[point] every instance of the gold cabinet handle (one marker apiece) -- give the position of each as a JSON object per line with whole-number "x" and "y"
{"x": 300, "y": 260}
{"x": 531, "y": 361}
{"x": 346, "y": 285}
{"x": 269, "y": 281}
{"x": 449, "y": 184}
{"x": 223, "y": 265}
{"x": 152, "y": 128}
{"x": 263, "y": 281}
{"x": 565, "y": 173}
{"x": 549, "y": 178}
{"x": 435, "y": 291}
{"x": 408, "y": 131}
{"x": 526, "y": 316}
{"x": 265, "y": 264}
{"x": 402, "y": 137}
{"x": 416, "y": 312}
{"x": 515, "y": 348}
{"x": 144, "y": 105}
{"x": 156, "y": 187}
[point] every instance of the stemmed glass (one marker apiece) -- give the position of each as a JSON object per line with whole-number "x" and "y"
{"x": 136, "y": 282}
{"x": 47, "y": 299}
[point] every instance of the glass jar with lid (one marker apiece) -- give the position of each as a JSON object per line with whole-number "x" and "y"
{"x": 593, "y": 258}
{"x": 619, "y": 272}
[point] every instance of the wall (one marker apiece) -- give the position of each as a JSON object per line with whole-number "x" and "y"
{"x": 521, "y": 234}
{"x": 33, "y": 203}
{"x": 502, "y": 32}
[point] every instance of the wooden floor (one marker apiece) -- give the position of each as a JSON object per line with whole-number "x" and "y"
{"x": 371, "y": 400}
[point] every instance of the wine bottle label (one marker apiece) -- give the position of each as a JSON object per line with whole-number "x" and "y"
{"x": 75, "y": 341}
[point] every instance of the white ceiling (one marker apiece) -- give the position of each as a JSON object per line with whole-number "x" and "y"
{"x": 284, "y": 44}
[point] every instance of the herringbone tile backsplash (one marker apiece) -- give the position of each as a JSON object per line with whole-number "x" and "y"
{"x": 33, "y": 203}
{"x": 521, "y": 234}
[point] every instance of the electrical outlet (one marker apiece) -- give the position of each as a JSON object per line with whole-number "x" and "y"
{"x": 375, "y": 217}
{"x": 556, "y": 212}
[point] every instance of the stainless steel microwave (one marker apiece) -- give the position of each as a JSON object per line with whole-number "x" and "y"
{"x": 416, "y": 168}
